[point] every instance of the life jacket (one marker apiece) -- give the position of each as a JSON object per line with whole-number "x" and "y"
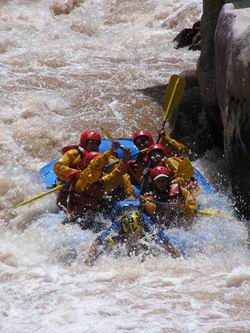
{"x": 81, "y": 151}
{"x": 192, "y": 185}
{"x": 88, "y": 199}
{"x": 135, "y": 169}
{"x": 169, "y": 213}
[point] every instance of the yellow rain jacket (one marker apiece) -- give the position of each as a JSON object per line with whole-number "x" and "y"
{"x": 185, "y": 203}
{"x": 173, "y": 145}
{"x": 69, "y": 165}
{"x": 180, "y": 168}
{"x": 123, "y": 181}
{"x": 92, "y": 184}
{"x": 94, "y": 172}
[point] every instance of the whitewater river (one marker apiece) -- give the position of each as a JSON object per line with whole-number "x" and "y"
{"x": 60, "y": 75}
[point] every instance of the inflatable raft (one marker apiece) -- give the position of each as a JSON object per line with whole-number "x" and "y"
{"x": 49, "y": 178}
{"x": 182, "y": 240}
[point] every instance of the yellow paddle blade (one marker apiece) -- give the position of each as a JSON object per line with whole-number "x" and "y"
{"x": 173, "y": 94}
{"x": 38, "y": 196}
{"x": 211, "y": 212}
{"x": 141, "y": 151}
{"x": 185, "y": 169}
{"x": 107, "y": 133}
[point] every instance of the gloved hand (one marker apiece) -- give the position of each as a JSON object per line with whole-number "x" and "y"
{"x": 161, "y": 132}
{"x": 126, "y": 155}
{"x": 73, "y": 175}
{"x": 115, "y": 146}
{"x": 145, "y": 172}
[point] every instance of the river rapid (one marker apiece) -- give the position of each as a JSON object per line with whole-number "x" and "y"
{"x": 59, "y": 76}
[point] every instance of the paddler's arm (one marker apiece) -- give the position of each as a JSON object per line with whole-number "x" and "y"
{"x": 172, "y": 144}
{"x": 128, "y": 187}
{"x": 92, "y": 253}
{"x": 190, "y": 204}
{"x": 113, "y": 179}
{"x": 62, "y": 167}
{"x": 94, "y": 170}
{"x": 164, "y": 241}
{"x": 148, "y": 204}
{"x": 95, "y": 247}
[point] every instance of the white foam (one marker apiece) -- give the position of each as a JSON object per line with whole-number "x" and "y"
{"x": 63, "y": 74}
{"x": 239, "y": 275}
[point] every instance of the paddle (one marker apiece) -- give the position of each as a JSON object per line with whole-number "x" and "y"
{"x": 172, "y": 97}
{"x": 111, "y": 164}
{"x": 185, "y": 169}
{"x": 110, "y": 137}
{"x": 39, "y": 195}
{"x": 58, "y": 187}
{"x": 209, "y": 212}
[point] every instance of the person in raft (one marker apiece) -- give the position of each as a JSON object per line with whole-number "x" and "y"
{"x": 92, "y": 184}
{"x": 168, "y": 203}
{"x": 72, "y": 162}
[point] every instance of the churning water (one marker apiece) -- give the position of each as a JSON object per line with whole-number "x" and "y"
{"x": 61, "y": 74}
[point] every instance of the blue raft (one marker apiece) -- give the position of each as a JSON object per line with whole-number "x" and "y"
{"x": 182, "y": 241}
{"x": 49, "y": 178}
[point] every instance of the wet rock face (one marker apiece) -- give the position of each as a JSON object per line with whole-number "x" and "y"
{"x": 60, "y": 7}
{"x": 191, "y": 126}
{"x": 206, "y": 67}
{"x": 189, "y": 37}
{"x": 189, "y": 122}
{"x": 232, "y": 52}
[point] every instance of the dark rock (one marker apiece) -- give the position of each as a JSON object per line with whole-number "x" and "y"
{"x": 156, "y": 92}
{"x": 191, "y": 78}
{"x": 187, "y": 36}
{"x": 233, "y": 86}
{"x": 196, "y": 42}
{"x": 206, "y": 68}
{"x": 190, "y": 125}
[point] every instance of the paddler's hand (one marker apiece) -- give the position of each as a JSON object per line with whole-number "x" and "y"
{"x": 73, "y": 176}
{"x": 131, "y": 197}
{"x": 145, "y": 172}
{"x": 92, "y": 253}
{"x": 161, "y": 132}
{"x": 171, "y": 249}
{"x": 126, "y": 155}
{"x": 115, "y": 146}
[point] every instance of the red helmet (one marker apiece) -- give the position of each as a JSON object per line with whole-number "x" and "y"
{"x": 89, "y": 156}
{"x": 147, "y": 134}
{"x": 157, "y": 146}
{"x": 89, "y": 135}
{"x": 159, "y": 171}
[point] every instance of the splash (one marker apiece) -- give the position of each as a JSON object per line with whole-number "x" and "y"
{"x": 62, "y": 74}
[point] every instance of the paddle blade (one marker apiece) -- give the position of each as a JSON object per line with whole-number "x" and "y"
{"x": 173, "y": 94}
{"x": 211, "y": 212}
{"x": 107, "y": 133}
{"x": 38, "y": 196}
{"x": 185, "y": 169}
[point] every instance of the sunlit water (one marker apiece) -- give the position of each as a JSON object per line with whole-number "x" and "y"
{"x": 59, "y": 76}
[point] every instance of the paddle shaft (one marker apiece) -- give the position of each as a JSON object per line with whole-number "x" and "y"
{"x": 172, "y": 98}
{"x": 110, "y": 137}
{"x": 38, "y": 196}
{"x": 211, "y": 212}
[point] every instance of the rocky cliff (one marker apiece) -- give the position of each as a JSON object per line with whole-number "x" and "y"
{"x": 232, "y": 76}
{"x": 224, "y": 79}
{"x": 223, "y": 73}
